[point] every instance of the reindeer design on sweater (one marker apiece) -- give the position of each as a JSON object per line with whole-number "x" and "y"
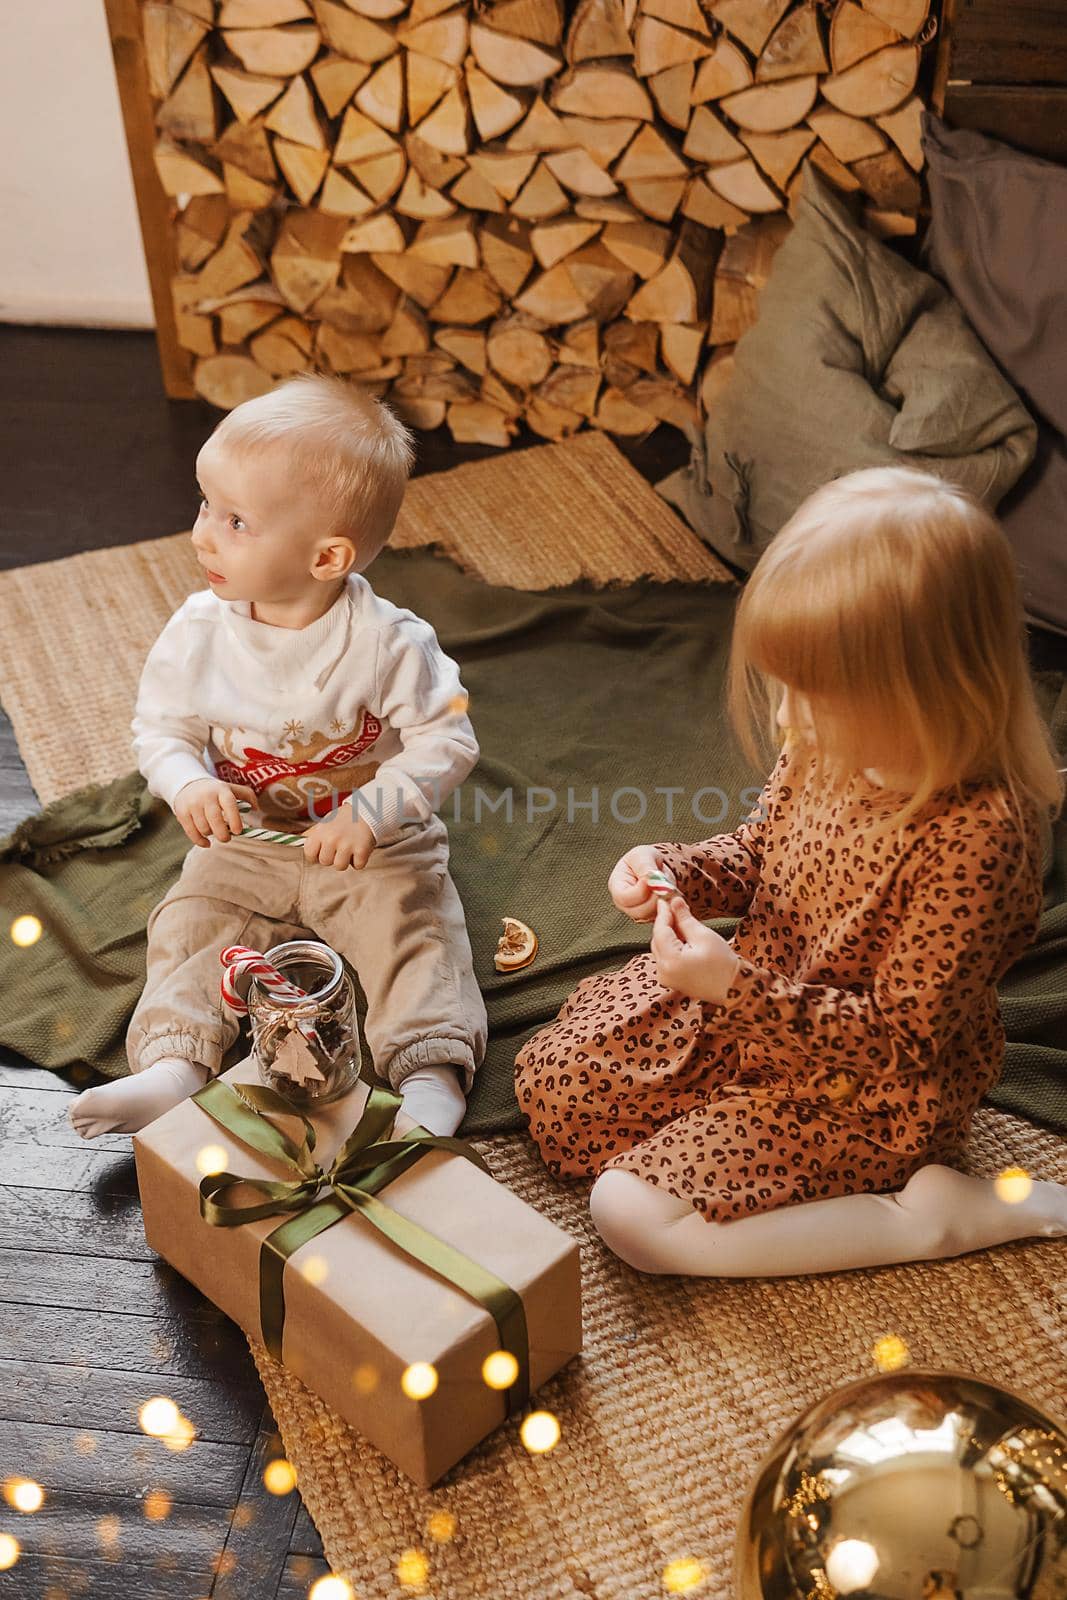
{"x": 315, "y": 775}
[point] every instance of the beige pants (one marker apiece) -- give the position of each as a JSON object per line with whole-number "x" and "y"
{"x": 399, "y": 922}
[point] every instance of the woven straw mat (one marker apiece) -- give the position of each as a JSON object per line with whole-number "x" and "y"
{"x": 681, "y": 1389}
{"x": 683, "y": 1384}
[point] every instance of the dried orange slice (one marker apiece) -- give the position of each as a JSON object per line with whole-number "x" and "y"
{"x": 516, "y": 947}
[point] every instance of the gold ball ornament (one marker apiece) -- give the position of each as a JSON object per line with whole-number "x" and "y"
{"x": 910, "y": 1486}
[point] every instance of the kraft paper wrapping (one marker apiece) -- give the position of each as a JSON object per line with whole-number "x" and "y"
{"x": 363, "y": 1311}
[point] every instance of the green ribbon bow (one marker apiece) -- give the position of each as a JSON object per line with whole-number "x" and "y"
{"x": 362, "y": 1166}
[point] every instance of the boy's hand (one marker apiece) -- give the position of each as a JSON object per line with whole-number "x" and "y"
{"x": 207, "y": 809}
{"x": 691, "y": 959}
{"x": 628, "y": 886}
{"x": 341, "y": 842}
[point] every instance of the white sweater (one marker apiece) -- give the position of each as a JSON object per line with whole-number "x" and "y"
{"x": 363, "y": 702}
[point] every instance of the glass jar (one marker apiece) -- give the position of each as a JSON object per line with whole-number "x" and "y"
{"x": 307, "y": 1048}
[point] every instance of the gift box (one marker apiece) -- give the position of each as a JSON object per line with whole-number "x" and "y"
{"x": 355, "y": 1245}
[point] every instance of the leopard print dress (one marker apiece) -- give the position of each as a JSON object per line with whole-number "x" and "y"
{"x": 862, "y": 1027}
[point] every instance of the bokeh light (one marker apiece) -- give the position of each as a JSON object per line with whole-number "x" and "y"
{"x": 211, "y": 1160}
{"x": 25, "y": 931}
{"x": 683, "y": 1576}
{"x": 279, "y": 1477}
{"x": 419, "y": 1380}
{"x": 23, "y": 1494}
{"x": 85, "y": 1444}
{"x": 9, "y": 1551}
{"x": 314, "y": 1269}
{"x": 331, "y": 1588}
{"x": 890, "y": 1353}
{"x": 1013, "y": 1185}
{"x": 441, "y": 1526}
{"x": 413, "y": 1569}
{"x": 181, "y": 1435}
{"x": 365, "y": 1378}
{"x": 500, "y": 1369}
{"x": 539, "y": 1432}
{"x": 459, "y": 704}
{"x": 157, "y": 1504}
{"x": 107, "y": 1531}
{"x": 159, "y": 1416}
{"x": 851, "y": 1565}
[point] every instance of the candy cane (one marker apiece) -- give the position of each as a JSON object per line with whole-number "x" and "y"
{"x": 239, "y": 961}
{"x": 266, "y": 833}
{"x": 661, "y": 883}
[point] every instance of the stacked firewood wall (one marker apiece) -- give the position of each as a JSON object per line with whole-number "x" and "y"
{"x": 513, "y": 211}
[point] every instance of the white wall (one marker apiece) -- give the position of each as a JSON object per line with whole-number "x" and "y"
{"x": 70, "y": 242}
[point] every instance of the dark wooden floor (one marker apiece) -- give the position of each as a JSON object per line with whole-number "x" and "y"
{"x": 91, "y": 1323}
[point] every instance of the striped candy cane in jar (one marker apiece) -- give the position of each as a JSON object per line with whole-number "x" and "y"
{"x": 239, "y": 961}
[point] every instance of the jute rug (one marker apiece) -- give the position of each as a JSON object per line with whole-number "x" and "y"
{"x": 682, "y": 1387}
{"x": 683, "y": 1384}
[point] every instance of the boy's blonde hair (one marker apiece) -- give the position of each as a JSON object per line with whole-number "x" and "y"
{"x": 349, "y": 445}
{"x": 890, "y": 599}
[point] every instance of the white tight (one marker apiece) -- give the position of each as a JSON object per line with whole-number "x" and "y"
{"x": 938, "y": 1213}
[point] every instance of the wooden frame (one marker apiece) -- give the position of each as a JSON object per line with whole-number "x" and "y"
{"x": 154, "y": 208}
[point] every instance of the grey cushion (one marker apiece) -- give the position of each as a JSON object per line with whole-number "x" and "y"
{"x": 857, "y": 359}
{"x": 998, "y": 238}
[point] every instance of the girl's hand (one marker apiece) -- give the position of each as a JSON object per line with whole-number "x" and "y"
{"x": 627, "y": 885}
{"x": 691, "y": 959}
{"x": 344, "y": 841}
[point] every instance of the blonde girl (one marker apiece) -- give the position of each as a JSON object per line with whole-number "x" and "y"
{"x": 791, "y": 1101}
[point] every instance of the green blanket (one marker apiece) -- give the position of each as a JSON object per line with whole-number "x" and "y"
{"x": 578, "y": 696}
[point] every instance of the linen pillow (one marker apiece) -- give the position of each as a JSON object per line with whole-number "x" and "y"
{"x": 998, "y": 239}
{"x": 857, "y": 359}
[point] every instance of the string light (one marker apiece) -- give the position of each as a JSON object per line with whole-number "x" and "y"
{"x": 365, "y": 1378}
{"x": 23, "y": 1494}
{"x": 159, "y": 1416}
{"x": 107, "y": 1531}
{"x": 500, "y": 1369}
{"x": 413, "y": 1569}
{"x": 181, "y": 1435}
{"x": 9, "y": 1551}
{"x": 419, "y": 1380}
{"x": 1013, "y": 1185}
{"x": 25, "y": 931}
{"x": 279, "y": 1477}
{"x": 890, "y": 1353}
{"x": 314, "y": 1269}
{"x": 540, "y": 1432}
{"x": 157, "y": 1504}
{"x": 331, "y": 1588}
{"x": 211, "y": 1160}
{"x": 441, "y": 1526}
{"x": 679, "y": 1577}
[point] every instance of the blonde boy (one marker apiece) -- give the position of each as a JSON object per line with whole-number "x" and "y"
{"x": 291, "y": 684}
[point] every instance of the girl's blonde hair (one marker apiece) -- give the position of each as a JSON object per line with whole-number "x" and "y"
{"x": 890, "y": 599}
{"x": 351, "y": 447}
